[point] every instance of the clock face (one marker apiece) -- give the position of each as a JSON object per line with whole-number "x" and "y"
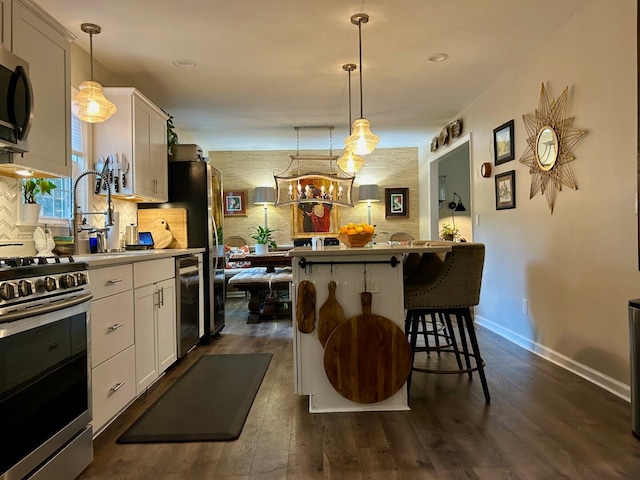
{"x": 485, "y": 170}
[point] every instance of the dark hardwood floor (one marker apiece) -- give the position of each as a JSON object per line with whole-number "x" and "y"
{"x": 543, "y": 423}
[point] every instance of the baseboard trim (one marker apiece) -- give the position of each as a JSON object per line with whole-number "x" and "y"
{"x": 612, "y": 385}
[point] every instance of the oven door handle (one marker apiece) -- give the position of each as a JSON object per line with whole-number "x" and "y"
{"x": 13, "y": 316}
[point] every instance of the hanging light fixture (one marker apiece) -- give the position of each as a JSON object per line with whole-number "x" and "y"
{"x": 361, "y": 141}
{"x": 90, "y": 104}
{"x": 349, "y": 162}
{"x": 330, "y": 186}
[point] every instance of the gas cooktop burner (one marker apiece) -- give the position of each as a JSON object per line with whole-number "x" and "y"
{"x": 10, "y": 262}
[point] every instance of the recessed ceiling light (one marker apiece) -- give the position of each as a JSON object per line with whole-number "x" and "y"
{"x": 437, "y": 57}
{"x": 184, "y": 63}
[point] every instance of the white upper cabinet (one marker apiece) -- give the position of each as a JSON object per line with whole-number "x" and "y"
{"x": 137, "y": 134}
{"x": 45, "y": 44}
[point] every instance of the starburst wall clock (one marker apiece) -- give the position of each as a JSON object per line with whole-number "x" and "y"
{"x": 550, "y": 141}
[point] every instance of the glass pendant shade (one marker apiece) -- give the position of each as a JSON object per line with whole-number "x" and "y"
{"x": 349, "y": 162}
{"x": 362, "y": 141}
{"x": 90, "y": 104}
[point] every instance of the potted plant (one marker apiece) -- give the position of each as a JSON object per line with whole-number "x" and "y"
{"x": 263, "y": 239}
{"x": 220, "y": 240}
{"x": 31, "y": 188}
{"x": 449, "y": 232}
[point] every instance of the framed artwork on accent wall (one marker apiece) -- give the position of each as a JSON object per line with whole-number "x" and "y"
{"x": 396, "y": 202}
{"x": 503, "y": 144}
{"x": 235, "y": 203}
{"x": 506, "y": 190}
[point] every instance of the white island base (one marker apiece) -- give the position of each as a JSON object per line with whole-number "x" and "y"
{"x": 384, "y": 282}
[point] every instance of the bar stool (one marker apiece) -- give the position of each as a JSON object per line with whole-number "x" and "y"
{"x": 445, "y": 291}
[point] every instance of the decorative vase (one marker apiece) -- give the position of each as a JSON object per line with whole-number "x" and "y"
{"x": 262, "y": 249}
{"x": 30, "y": 213}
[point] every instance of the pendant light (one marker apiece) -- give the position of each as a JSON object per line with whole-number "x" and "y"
{"x": 349, "y": 162}
{"x": 362, "y": 141}
{"x": 90, "y": 104}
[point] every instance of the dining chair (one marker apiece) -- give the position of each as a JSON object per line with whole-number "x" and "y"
{"x": 446, "y": 291}
{"x": 401, "y": 237}
{"x": 235, "y": 241}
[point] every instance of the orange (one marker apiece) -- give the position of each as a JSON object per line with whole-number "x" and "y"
{"x": 351, "y": 231}
{"x": 368, "y": 229}
{"x": 343, "y": 229}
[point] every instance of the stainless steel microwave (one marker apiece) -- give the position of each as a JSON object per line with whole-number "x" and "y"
{"x": 16, "y": 102}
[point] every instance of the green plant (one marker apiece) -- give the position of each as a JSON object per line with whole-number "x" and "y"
{"x": 172, "y": 136}
{"x": 263, "y": 236}
{"x": 449, "y": 232}
{"x": 220, "y": 236}
{"x": 34, "y": 187}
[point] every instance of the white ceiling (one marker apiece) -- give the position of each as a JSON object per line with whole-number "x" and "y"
{"x": 264, "y": 67}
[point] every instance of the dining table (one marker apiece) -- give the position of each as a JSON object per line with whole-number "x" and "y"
{"x": 270, "y": 260}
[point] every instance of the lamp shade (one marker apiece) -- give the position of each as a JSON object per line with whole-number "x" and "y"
{"x": 90, "y": 104}
{"x": 368, "y": 193}
{"x": 349, "y": 162}
{"x": 264, "y": 195}
{"x": 362, "y": 141}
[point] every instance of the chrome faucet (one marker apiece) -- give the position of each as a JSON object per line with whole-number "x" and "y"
{"x": 76, "y": 221}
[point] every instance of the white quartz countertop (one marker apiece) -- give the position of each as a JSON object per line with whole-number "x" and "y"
{"x": 97, "y": 260}
{"x": 374, "y": 250}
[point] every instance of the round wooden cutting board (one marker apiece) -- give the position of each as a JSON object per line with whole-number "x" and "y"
{"x": 367, "y": 358}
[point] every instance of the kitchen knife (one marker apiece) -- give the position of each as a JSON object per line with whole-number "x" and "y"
{"x": 98, "y": 177}
{"x": 125, "y": 167}
{"x": 105, "y": 172}
{"x": 116, "y": 167}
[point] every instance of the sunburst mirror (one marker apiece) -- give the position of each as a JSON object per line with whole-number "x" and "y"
{"x": 550, "y": 140}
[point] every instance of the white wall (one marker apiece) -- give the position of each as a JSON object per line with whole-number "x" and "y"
{"x": 578, "y": 267}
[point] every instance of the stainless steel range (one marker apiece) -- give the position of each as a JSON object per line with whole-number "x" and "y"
{"x": 44, "y": 368}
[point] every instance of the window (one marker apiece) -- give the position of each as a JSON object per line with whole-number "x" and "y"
{"x": 58, "y": 206}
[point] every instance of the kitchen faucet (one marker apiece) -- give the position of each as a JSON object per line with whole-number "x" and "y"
{"x": 76, "y": 221}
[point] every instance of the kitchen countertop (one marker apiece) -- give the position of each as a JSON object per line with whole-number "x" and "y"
{"x": 98, "y": 260}
{"x": 379, "y": 249}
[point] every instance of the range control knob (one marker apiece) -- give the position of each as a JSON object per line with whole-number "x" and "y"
{"x": 68, "y": 281}
{"x": 25, "y": 288}
{"x": 82, "y": 278}
{"x": 8, "y": 290}
{"x": 50, "y": 284}
{"x": 40, "y": 285}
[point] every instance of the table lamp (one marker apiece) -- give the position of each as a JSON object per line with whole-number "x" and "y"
{"x": 264, "y": 195}
{"x": 368, "y": 193}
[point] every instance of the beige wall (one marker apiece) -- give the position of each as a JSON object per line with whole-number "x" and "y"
{"x": 578, "y": 267}
{"x": 385, "y": 167}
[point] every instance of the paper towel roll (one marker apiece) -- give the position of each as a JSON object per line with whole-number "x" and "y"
{"x": 113, "y": 238}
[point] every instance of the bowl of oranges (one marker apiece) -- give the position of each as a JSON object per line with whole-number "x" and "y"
{"x": 356, "y": 234}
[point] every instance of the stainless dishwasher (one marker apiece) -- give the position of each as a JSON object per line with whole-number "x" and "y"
{"x": 188, "y": 278}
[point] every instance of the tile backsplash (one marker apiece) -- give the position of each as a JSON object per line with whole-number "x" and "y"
{"x": 9, "y": 221}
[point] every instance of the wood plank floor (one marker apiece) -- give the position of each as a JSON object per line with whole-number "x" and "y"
{"x": 543, "y": 423}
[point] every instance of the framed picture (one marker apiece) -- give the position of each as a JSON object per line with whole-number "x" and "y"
{"x": 506, "y": 190}
{"x": 235, "y": 203}
{"x": 503, "y": 144}
{"x": 309, "y": 219}
{"x": 396, "y": 202}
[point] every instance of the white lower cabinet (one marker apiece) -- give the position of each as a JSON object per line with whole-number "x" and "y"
{"x": 113, "y": 387}
{"x": 155, "y": 319}
{"x": 112, "y": 343}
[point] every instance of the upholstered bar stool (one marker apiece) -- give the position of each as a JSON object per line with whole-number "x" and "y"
{"x": 447, "y": 290}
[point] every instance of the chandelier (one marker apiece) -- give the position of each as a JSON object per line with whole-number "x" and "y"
{"x": 326, "y": 183}
{"x": 362, "y": 141}
{"x": 90, "y": 104}
{"x": 349, "y": 162}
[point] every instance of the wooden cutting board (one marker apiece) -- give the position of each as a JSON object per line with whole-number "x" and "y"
{"x": 162, "y": 236}
{"x": 306, "y": 307}
{"x": 176, "y": 220}
{"x": 367, "y": 359}
{"x": 331, "y": 314}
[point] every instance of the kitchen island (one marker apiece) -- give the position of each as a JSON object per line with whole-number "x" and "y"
{"x": 380, "y": 268}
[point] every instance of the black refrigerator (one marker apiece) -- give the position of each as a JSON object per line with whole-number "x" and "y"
{"x": 197, "y": 187}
